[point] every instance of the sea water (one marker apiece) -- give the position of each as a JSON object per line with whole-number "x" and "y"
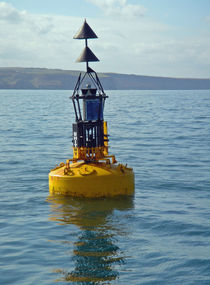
{"x": 159, "y": 236}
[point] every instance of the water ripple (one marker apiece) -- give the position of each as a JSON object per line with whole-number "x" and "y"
{"x": 161, "y": 236}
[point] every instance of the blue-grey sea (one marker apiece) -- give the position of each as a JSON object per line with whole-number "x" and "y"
{"x": 159, "y": 236}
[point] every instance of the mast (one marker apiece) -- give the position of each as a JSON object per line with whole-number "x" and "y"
{"x": 90, "y": 142}
{"x": 85, "y": 33}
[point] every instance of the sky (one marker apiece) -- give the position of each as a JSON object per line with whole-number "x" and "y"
{"x": 145, "y": 37}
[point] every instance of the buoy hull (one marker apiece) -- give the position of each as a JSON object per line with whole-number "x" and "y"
{"x": 92, "y": 180}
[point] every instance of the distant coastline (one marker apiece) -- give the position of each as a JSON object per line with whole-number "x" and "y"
{"x": 57, "y": 79}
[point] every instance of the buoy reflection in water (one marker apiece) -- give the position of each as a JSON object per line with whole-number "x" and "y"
{"x": 95, "y": 253}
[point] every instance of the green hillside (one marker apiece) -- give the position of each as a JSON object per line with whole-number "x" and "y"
{"x": 43, "y": 78}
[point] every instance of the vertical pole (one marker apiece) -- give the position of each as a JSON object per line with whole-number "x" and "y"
{"x": 78, "y": 105}
{"x": 105, "y": 139}
{"x": 75, "y": 109}
{"x": 86, "y": 49}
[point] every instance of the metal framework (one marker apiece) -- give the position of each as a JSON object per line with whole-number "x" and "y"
{"x": 90, "y": 138}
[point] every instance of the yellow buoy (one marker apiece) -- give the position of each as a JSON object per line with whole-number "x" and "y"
{"x": 92, "y": 171}
{"x": 92, "y": 180}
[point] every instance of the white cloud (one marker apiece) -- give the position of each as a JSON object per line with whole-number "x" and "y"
{"x": 119, "y": 8}
{"x": 10, "y": 14}
{"x": 36, "y": 40}
{"x": 141, "y": 46}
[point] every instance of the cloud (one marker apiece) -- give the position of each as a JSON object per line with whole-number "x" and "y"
{"x": 119, "y": 8}
{"x": 142, "y": 46}
{"x": 10, "y": 14}
{"x": 36, "y": 40}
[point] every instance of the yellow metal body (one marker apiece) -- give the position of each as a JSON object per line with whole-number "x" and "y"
{"x": 88, "y": 153}
{"x": 93, "y": 179}
{"x": 92, "y": 174}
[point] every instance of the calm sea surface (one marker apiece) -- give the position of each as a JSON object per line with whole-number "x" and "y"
{"x": 160, "y": 236}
